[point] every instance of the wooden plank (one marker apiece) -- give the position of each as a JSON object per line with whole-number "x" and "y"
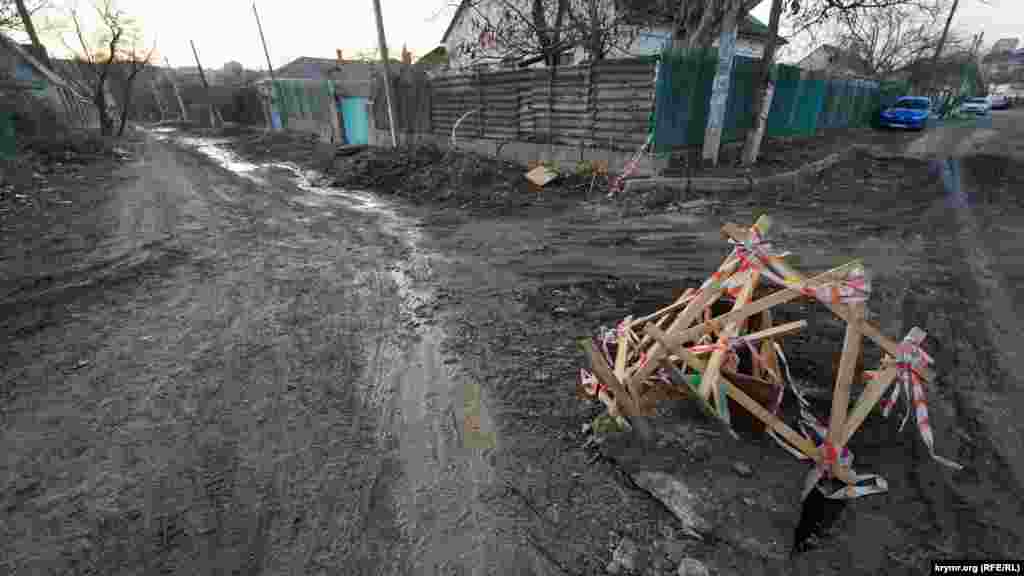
{"x": 841, "y": 393}
{"x": 605, "y": 375}
{"x": 841, "y": 310}
{"x": 752, "y": 406}
{"x": 625, "y": 127}
{"x": 607, "y": 114}
{"x": 758, "y": 306}
{"x": 621, "y": 353}
{"x": 713, "y": 373}
{"x": 613, "y": 95}
{"x": 690, "y": 313}
{"x": 776, "y": 331}
{"x": 771, "y": 368}
{"x": 679, "y": 304}
{"x": 873, "y": 392}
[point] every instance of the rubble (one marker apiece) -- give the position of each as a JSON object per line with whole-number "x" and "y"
{"x": 690, "y": 507}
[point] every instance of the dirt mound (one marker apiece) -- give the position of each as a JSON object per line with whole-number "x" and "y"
{"x": 430, "y": 175}
{"x": 80, "y": 147}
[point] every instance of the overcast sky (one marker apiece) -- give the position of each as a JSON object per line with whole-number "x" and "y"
{"x": 225, "y": 30}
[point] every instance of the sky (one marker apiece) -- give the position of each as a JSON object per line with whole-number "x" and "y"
{"x": 225, "y": 30}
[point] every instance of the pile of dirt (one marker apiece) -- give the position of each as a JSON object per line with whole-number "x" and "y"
{"x": 783, "y": 154}
{"x": 80, "y": 147}
{"x": 429, "y": 175}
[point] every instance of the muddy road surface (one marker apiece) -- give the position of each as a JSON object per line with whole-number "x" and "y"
{"x": 237, "y": 369}
{"x": 216, "y": 367}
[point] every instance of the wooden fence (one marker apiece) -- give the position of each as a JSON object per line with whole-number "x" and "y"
{"x": 604, "y": 105}
{"x": 615, "y": 104}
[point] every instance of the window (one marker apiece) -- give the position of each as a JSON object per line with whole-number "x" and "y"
{"x": 912, "y": 104}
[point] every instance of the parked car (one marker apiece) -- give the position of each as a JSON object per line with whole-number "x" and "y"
{"x": 979, "y": 106}
{"x": 908, "y": 112}
{"x": 999, "y": 102}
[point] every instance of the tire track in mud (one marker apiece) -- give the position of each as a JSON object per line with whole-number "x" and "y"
{"x": 984, "y": 386}
{"x": 420, "y": 509}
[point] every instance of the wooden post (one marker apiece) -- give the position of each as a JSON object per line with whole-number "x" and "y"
{"x": 713, "y": 373}
{"x": 481, "y": 115}
{"x": 841, "y": 394}
{"x": 177, "y": 93}
{"x": 590, "y": 116}
{"x": 270, "y": 68}
{"x": 383, "y": 45}
{"x": 720, "y": 89}
{"x": 798, "y": 440}
{"x": 214, "y": 115}
{"x": 690, "y": 313}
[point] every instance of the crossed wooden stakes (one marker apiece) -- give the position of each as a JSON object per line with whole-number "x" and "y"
{"x": 675, "y": 339}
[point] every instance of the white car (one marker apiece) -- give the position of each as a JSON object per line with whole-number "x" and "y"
{"x": 979, "y": 106}
{"x": 999, "y": 102}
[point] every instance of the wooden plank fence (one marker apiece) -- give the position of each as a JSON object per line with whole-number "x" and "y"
{"x": 603, "y": 105}
{"x": 611, "y": 104}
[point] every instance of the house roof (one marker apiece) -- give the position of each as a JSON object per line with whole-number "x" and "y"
{"x": 21, "y": 52}
{"x": 436, "y": 57}
{"x": 309, "y": 68}
{"x": 838, "y": 57}
{"x": 750, "y": 27}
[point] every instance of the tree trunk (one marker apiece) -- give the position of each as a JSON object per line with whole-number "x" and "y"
{"x": 125, "y": 104}
{"x": 26, "y": 20}
{"x": 100, "y": 99}
{"x": 765, "y": 91}
{"x": 942, "y": 44}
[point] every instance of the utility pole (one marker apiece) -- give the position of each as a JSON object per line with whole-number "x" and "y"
{"x": 942, "y": 44}
{"x": 382, "y": 44}
{"x": 202, "y": 76}
{"x": 177, "y": 94}
{"x": 30, "y": 29}
{"x": 270, "y": 67}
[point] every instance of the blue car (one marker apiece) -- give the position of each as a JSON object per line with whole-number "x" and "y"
{"x": 908, "y": 112}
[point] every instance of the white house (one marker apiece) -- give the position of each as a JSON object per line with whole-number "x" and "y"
{"x": 651, "y": 36}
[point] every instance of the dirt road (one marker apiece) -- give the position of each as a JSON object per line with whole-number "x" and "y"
{"x": 216, "y": 365}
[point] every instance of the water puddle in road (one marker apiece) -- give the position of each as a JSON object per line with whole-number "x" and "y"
{"x": 440, "y": 421}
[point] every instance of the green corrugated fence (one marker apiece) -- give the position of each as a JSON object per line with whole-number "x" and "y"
{"x": 7, "y": 142}
{"x": 304, "y": 100}
{"x": 801, "y": 105}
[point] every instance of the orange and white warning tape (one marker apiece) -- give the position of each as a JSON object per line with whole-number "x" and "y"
{"x": 911, "y": 359}
{"x": 814, "y": 430}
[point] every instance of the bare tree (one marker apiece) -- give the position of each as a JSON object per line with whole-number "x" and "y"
{"x": 884, "y": 41}
{"x": 134, "y": 61}
{"x": 601, "y": 28}
{"x": 13, "y": 14}
{"x": 26, "y": 19}
{"x": 942, "y": 40}
{"x": 810, "y": 15}
{"x": 517, "y": 32}
{"x": 698, "y": 24}
{"x": 116, "y": 29}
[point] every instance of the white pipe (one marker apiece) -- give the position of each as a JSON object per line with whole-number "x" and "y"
{"x": 459, "y": 121}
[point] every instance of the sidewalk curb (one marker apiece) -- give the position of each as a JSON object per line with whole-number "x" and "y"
{"x": 739, "y": 184}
